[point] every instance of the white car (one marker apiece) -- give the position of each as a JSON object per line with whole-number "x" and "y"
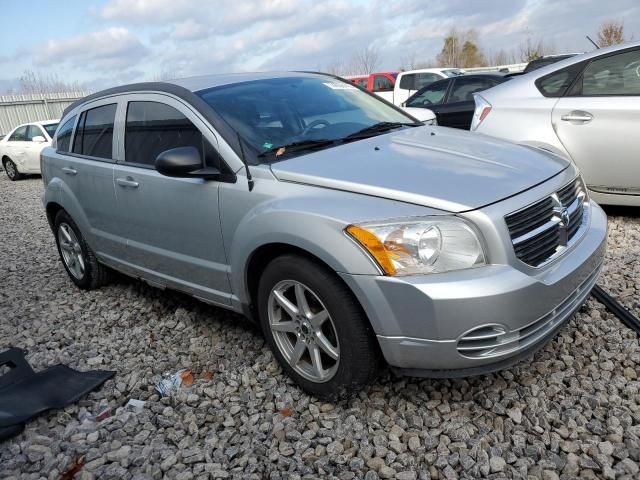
{"x": 20, "y": 149}
{"x": 586, "y": 108}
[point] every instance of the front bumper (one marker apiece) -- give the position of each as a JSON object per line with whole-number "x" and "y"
{"x": 479, "y": 320}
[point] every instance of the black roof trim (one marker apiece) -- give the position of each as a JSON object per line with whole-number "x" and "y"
{"x": 221, "y": 126}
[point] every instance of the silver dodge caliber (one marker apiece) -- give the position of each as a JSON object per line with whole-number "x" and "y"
{"x": 355, "y": 235}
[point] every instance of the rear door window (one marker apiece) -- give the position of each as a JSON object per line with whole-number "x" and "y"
{"x": 63, "y": 139}
{"x": 20, "y": 135}
{"x": 430, "y": 95}
{"x": 94, "y": 134}
{"x": 153, "y": 127}
{"x": 613, "y": 75}
{"x": 464, "y": 88}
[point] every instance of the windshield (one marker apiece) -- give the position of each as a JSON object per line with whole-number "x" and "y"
{"x": 50, "y": 128}
{"x": 276, "y": 112}
{"x": 453, "y": 72}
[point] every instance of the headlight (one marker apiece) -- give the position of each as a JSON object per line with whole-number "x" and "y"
{"x": 433, "y": 245}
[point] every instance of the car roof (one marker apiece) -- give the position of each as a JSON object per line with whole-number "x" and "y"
{"x": 483, "y": 74}
{"x": 434, "y": 69}
{"x": 39, "y": 122}
{"x": 542, "y": 71}
{"x": 204, "y": 82}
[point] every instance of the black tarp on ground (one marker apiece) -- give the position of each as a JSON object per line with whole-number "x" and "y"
{"x": 25, "y": 393}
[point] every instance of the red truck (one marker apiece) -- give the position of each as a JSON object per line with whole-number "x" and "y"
{"x": 381, "y": 83}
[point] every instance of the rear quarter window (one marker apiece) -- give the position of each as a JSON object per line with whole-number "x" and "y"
{"x": 556, "y": 84}
{"x": 63, "y": 139}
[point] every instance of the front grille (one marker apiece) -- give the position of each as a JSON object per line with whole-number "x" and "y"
{"x": 542, "y": 230}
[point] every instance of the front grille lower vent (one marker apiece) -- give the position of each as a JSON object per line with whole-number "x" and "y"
{"x": 542, "y": 230}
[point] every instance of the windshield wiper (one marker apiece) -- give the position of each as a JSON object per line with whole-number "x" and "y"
{"x": 297, "y": 147}
{"x": 377, "y": 128}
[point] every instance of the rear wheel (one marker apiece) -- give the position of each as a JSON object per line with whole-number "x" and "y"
{"x": 11, "y": 169}
{"x": 77, "y": 257}
{"x": 316, "y": 328}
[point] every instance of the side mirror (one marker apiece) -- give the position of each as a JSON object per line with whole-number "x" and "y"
{"x": 184, "y": 162}
{"x": 39, "y": 139}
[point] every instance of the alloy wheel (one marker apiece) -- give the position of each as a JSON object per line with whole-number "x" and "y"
{"x": 304, "y": 331}
{"x": 11, "y": 169}
{"x": 71, "y": 251}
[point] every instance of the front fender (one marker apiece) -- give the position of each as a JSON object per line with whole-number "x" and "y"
{"x": 321, "y": 236}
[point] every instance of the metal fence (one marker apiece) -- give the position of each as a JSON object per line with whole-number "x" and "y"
{"x": 18, "y": 109}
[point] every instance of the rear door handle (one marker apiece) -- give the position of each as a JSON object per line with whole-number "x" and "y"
{"x": 127, "y": 182}
{"x": 69, "y": 170}
{"x": 577, "y": 116}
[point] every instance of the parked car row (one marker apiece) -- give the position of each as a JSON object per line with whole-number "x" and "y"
{"x": 397, "y": 87}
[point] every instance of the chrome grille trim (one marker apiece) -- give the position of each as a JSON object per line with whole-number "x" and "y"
{"x": 543, "y": 230}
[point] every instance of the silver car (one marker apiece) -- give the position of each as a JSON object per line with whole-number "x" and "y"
{"x": 353, "y": 234}
{"x": 586, "y": 108}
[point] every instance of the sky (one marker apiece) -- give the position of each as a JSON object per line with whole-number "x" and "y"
{"x": 101, "y": 43}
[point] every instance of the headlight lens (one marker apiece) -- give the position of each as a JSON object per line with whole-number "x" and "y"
{"x": 419, "y": 247}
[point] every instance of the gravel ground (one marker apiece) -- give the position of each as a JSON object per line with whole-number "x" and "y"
{"x": 572, "y": 411}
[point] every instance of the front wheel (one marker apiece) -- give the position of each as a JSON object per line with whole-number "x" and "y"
{"x": 12, "y": 170}
{"x": 77, "y": 257}
{"x": 316, "y": 328}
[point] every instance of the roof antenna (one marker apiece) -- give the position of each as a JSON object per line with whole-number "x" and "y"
{"x": 246, "y": 165}
{"x": 594, "y": 43}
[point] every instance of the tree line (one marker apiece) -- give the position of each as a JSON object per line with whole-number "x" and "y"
{"x": 462, "y": 49}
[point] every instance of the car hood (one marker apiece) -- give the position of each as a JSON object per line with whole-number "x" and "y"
{"x": 437, "y": 167}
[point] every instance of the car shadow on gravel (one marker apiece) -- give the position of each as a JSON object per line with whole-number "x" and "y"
{"x": 621, "y": 211}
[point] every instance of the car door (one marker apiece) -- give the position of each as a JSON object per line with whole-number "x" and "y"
{"x": 33, "y": 148}
{"x": 15, "y": 147}
{"x": 457, "y": 110}
{"x": 85, "y": 154}
{"x": 172, "y": 225}
{"x": 597, "y": 122}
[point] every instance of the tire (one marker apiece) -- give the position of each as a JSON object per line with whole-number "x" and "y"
{"x": 11, "y": 170}
{"x": 345, "y": 327}
{"x": 92, "y": 275}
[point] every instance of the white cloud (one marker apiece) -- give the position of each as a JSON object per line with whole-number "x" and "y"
{"x": 114, "y": 47}
{"x": 190, "y": 37}
{"x": 150, "y": 11}
{"x": 190, "y": 30}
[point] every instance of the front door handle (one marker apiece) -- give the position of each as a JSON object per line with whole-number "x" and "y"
{"x": 69, "y": 170}
{"x": 127, "y": 182}
{"x": 577, "y": 116}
